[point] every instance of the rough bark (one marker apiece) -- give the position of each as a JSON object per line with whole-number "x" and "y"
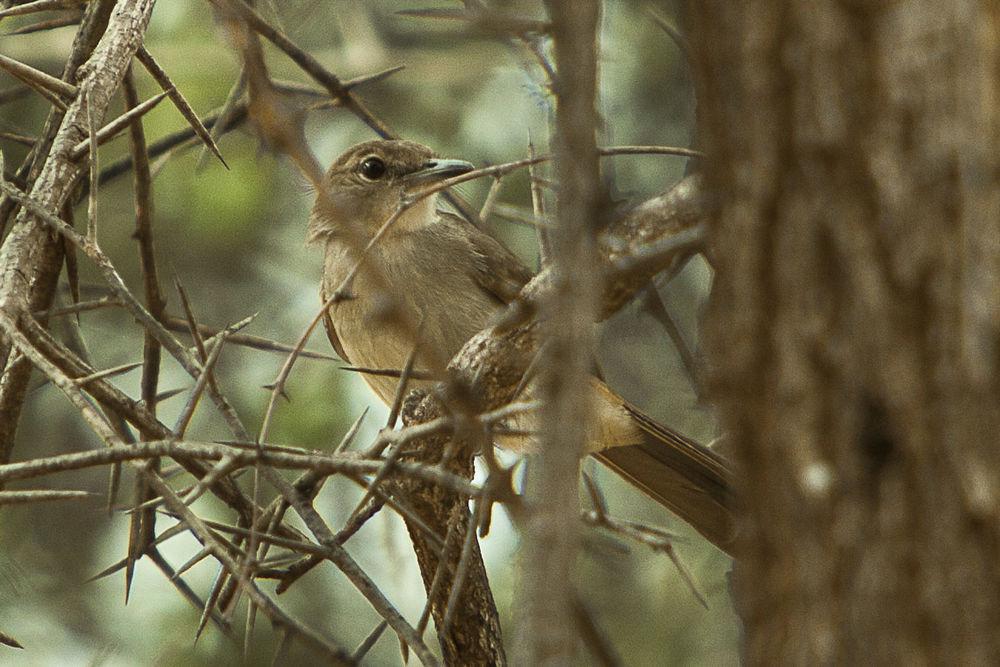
{"x": 853, "y": 329}
{"x": 474, "y": 636}
{"x": 28, "y": 263}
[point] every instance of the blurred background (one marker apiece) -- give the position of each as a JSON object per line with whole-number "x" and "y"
{"x": 236, "y": 238}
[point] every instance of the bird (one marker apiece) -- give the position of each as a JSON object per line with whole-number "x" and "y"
{"x": 431, "y": 280}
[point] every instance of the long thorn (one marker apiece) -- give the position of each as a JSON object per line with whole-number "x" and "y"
{"x": 39, "y": 6}
{"x": 362, "y": 650}
{"x": 37, "y": 79}
{"x": 112, "y": 129}
{"x": 179, "y": 101}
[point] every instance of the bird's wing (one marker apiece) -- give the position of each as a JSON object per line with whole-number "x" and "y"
{"x": 331, "y": 331}
{"x": 659, "y": 471}
{"x": 689, "y": 479}
{"x": 497, "y": 270}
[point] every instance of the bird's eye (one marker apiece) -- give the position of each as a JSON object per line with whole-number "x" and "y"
{"x": 372, "y": 168}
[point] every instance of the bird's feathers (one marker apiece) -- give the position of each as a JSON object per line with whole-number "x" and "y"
{"x": 453, "y": 278}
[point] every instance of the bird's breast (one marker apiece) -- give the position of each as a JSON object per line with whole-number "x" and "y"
{"x": 402, "y": 295}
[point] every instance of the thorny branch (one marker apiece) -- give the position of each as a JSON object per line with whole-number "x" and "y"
{"x": 425, "y": 471}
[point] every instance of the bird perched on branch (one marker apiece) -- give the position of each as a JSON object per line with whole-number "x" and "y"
{"x": 430, "y": 280}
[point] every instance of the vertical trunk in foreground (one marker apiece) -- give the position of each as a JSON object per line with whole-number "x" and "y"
{"x": 854, "y": 326}
{"x": 547, "y": 628}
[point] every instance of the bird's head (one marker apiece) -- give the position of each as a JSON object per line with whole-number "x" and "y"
{"x": 365, "y": 185}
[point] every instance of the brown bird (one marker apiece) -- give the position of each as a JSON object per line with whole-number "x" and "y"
{"x": 452, "y": 278}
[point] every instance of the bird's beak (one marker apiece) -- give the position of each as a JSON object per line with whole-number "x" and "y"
{"x": 438, "y": 170}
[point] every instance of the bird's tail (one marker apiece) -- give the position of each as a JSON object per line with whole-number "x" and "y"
{"x": 684, "y": 476}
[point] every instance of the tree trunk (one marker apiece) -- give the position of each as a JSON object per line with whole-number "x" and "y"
{"x": 853, "y": 331}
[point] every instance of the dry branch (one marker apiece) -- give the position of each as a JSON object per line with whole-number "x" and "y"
{"x": 316, "y": 641}
{"x": 546, "y": 629}
{"x": 473, "y": 636}
{"x": 102, "y": 74}
{"x": 49, "y": 255}
{"x": 27, "y": 238}
{"x": 73, "y": 18}
{"x": 24, "y": 497}
{"x": 39, "y": 6}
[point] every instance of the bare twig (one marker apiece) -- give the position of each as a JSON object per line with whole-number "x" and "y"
{"x": 246, "y": 340}
{"x": 92, "y": 162}
{"x": 491, "y": 199}
{"x": 479, "y": 17}
{"x": 462, "y": 570}
{"x": 347, "y": 565}
{"x": 185, "y": 590}
{"x": 658, "y": 309}
{"x": 656, "y": 539}
{"x": 112, "y": 129}
{"x": 668, "y": 27}
{"x": 235, "y": 106}
{"x": 220, "y": 124}
{"x": 143, "y": 188}
{"x": 273, "y": 611}
{"x": 278, "y": 386}
{"x": 49, "y": 24}
{"x": 192, "y": 326}
{"x": 186, "y": 450}
{"x": 188, "y": 411}
{"x": 22, "y": 139}
{"x": 366, "y": 645}
{"x": 79, "y": 307}
{"x": 307, "y": 62}
{"x": 39, "y": 6}
{"x": 538, "y": 209}
{"x": 110, "y": 372}
{"x": 404, "y": 379}
{"x": 391, "y": 372}
{"x": 24, "y": 497}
